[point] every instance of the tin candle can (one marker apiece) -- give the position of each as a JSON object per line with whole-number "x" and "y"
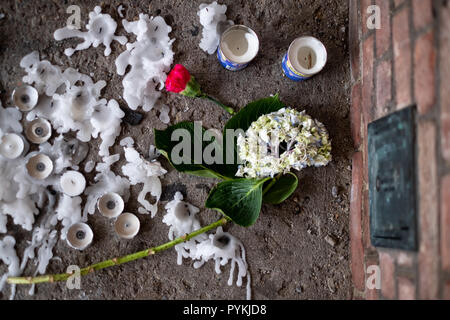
{"x": 305, "y": 58}
{"x": 237, "y": 47}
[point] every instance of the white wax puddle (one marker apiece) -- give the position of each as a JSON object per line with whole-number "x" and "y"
{"x": 139, "y": 170}
{"x": 306, "y": 57}
{"x": 105, "y": 181}
{"x": 101, "y": 29}
{"x": 9, "y": 257}
{"x": 149, "y": 57}
{"x": 214, "y": 21}
{"x": 89, "y": 166}
{"x": 181, "y": 218}
{"x": 223, "y": 248}
{"x": 78, "y": 107}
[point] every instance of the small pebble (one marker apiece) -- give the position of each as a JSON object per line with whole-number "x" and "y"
{"x": 331, "y": 285}
{"x": 334, "y": 191}
{"x": 132, "y": 117}
{"x": 331, "y": 240}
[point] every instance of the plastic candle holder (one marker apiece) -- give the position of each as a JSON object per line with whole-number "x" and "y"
{"x": 237, "y": 47}
{"x": 305, "y": 58}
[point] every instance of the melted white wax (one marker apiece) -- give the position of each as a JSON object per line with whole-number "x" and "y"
{"x": 149, "y": 57}
{"x": 233, "y": 251}
{"x": 73, "y": 102}
{"x": 181, "y": 218}
{"x": 140, "y": 170}
{"x": 214, "y": 21}
{"x": 101, "y": 29}
{"x": 105, "y": 181}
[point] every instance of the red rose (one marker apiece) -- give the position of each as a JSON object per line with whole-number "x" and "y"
{"x": 180, "y": 81}
{"x": 177, "y": 79}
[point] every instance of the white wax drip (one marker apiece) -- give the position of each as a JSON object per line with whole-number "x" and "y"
{"x": 101, "y": 29}
{"x": 150, "y": 58}
{"x": 214, "y": 21}
{"x": 139, "y": 170}
{"x": 77, "y": 106}
{"x": 233, "y": 250}
{"x": 105, "y": 181}
{"x": 182, "y": 220}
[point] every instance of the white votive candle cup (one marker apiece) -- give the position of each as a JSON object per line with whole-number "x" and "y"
{"x": 238, "y": 46}
{"x": 305, "y": 58}
{"x": 72, "y": 183}
{"x": 11, "y": 146}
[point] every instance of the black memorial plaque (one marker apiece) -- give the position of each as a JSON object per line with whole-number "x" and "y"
{"x": 392, "y": 181}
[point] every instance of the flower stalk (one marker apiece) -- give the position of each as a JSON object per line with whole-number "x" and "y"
{"x": 117, "y": 261}
{"x": 181, "y": 81}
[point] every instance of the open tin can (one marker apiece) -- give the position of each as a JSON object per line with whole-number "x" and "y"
{"x": 305, "y": 58}
{"x": 238, "y": 46}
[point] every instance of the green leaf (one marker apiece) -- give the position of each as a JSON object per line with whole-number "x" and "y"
{"x": 242, "y": 120}
{"x": 238, "y": 199}
{"x": 164, "y": 143}
{"x": 281, "y": 189}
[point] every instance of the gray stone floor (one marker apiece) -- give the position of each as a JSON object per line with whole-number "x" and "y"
{"x": 288, "y": 255}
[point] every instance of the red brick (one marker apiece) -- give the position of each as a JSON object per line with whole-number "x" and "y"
{"x": 364, "y": 15}
{"x": 366, "y": 221}
{"x": 397, "y": 3}
{"x": 402, "y": 58}
{"x": 356, "y": 115}
{"x": 406, "y": 289}
{"x": 446, "y": 291}
{"x": 424, "y": 77}
{"x": 387, "y": 266}
{"x": 445, "y": 223}
{"x": 356, "y": 247}
{"x": 383, "y": 35}
{"x": 428, "y": 220}
{"x": 367, "y": 83}
{"x": 423, "y": 14}
{"x": 354, "y": 40}
{"x": 445, "y": 80}
{"x": 384, "y": 86}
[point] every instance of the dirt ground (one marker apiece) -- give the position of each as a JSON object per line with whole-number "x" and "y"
{"x": 289, "y": 256}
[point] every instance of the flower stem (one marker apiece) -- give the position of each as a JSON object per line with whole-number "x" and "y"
{"x": 226, "y": 108}
{"x": 272, "y": 182}
{"x": 119, "y": 260}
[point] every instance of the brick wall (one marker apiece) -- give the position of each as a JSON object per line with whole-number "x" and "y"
{"x": 406, "y": 61}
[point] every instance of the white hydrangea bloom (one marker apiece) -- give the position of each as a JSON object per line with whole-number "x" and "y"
{"x": 280, "y": 141}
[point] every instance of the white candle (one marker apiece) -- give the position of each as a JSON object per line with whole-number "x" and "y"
{"x": 39, "y": 166}
{"x": 39, "y": 131}
{"x": 306, "y": 57}
{"x": 127, "y": 226}
{"x": 110, "y": 205}
{"x": 72, "y": 183}
{"x": 25, "y": 97}
{"x": 79, "y": 236}
{"x": 11, "y": 146}
{"x": 238, "y": 46}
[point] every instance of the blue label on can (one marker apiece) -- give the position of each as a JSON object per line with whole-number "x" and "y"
{"x": 227, "y": 64}
{"x": 290, "y": 72}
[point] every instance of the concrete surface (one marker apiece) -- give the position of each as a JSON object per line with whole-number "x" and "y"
{"x": 288, "y": 255}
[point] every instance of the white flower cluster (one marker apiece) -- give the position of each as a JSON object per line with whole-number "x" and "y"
{"x": 280, "y": 141}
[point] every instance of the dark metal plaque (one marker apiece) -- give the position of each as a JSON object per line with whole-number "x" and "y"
{"x": 392, "y": 181}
